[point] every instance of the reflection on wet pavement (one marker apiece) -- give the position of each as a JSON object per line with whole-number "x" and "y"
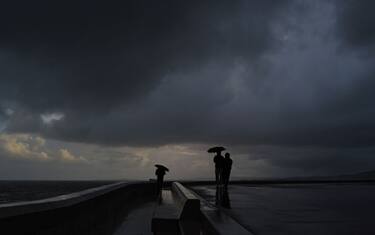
{"x": 299, "y": 209}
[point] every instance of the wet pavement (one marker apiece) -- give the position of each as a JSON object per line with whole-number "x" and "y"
{"x": 138, "y": 221}
{"x": 301, "y": 209}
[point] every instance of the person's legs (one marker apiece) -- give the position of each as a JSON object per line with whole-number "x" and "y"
{"x": 217, "y": 175}
{"x": 224, "y": 178}
{"x": 159, "y": 184}
{"x": 221, "y": 177}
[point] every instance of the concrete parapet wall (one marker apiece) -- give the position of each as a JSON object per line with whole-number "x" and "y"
{"x": 189, "y": 203}
{"x": 96, "y": 211}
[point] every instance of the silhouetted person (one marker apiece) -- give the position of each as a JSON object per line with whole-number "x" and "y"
{"x": 227, "y": 167}
{"x": 160, "y": 172}
{"x": 219, "y": 163}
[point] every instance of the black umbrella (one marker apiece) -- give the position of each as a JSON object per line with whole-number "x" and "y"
{"x": 216, "y": 149}
{"x": 161, "y": 166}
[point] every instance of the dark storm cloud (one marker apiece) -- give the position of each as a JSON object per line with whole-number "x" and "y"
{"x": 356, "y": 22}
{"x": 313, "y": 160}
{"x": 83, "y": 56}
{"x": 86, "y": 58}
{"x": 154, "y": 73}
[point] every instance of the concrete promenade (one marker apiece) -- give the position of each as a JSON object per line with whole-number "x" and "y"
{"x": 269, "y": 208}
{"x": 294, "y": 209}
{"x": 203, "y": 218}
{"x": 138, "y": 221}
{"x": 120, "y": 208}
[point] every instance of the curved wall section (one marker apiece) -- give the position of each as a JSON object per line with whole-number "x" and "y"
{"x": 96, "y": 211}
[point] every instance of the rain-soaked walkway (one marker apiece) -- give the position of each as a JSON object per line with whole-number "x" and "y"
{"x": 301, "y": 209}
{"x": 138, "y": 221}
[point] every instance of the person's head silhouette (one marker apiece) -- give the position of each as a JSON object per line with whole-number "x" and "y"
{"x": 227, "y": 155}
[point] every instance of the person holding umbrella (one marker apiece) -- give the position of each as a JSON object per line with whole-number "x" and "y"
{"x": 219, "y": 163}
{"x": 160, "y": 172}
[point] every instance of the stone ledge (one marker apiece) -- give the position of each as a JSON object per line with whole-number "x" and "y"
{"x": 20, "y": 208}
{"x": 218, "y": 222}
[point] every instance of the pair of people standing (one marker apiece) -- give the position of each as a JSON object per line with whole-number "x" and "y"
{"x": 223, "y": 167}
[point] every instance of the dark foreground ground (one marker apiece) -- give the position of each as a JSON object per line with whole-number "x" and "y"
{"x": 138, "y": 221}
{"x": 301, "y": 209}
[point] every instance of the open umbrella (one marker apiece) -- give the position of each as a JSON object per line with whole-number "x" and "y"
{"x": 161, "y": 166}
{"x": 216, "y": 149}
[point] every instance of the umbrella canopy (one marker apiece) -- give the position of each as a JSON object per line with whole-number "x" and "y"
{"x": 216, "y": 149}
{"x": 161, "y": 166}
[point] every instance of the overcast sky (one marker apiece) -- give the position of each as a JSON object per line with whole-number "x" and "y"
{"x": 105, "y": 89}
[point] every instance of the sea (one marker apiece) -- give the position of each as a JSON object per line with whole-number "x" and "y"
{"x": 20, "y": 191}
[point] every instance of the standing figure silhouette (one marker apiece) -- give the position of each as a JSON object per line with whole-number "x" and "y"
{"x": 227, "y": 167}
{"x": 160, "y": 172}
{"x": 219, "y": 163}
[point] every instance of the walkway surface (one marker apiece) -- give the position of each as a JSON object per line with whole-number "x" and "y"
{"x": 301, "y": 209}
{"x": 138, "y": 221}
